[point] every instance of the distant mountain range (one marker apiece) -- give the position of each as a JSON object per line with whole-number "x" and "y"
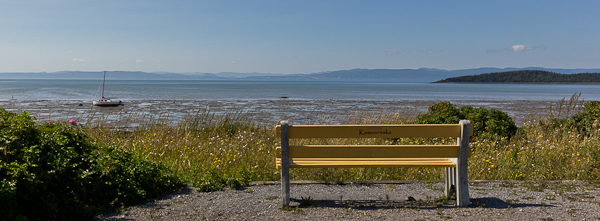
{"x": 128, "y": 75}
{"x": 364, "y": 75}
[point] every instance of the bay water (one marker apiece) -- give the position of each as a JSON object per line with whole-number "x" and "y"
{"x": 271, "y": 101}
{"x": 305, "y": 90}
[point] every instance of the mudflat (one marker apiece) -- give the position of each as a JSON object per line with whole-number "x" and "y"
{"x": 263, "y": 110}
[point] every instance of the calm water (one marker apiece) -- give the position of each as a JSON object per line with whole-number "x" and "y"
{"x": 242, "y": 90}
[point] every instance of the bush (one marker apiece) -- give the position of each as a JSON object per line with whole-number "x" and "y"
{"x": 441, "y": 113}
{"x": 54, "y": 172}
{"x": 588, "y": 120}
{"x": 486, "y": 123}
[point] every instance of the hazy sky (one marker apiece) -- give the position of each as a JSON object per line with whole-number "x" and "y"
{"x": 295, "y": 36}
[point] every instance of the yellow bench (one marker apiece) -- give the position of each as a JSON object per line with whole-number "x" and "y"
{"x": 452, "y": 157}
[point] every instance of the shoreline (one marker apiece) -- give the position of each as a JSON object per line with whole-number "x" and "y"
{"x": 263, "y": 110}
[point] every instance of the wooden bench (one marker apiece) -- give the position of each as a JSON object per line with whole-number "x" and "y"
{"x": 452, "y": 157}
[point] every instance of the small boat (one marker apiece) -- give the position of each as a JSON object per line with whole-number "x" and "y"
{"x": 105, "y": 101}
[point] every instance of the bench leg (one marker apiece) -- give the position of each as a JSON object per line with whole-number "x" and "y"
{"x": 450, "y": 182}
{"x": 462, "y": 179}
{"x": 462, "y": 187}
{"x": 285, "y": 164}
{"x": 285, "y": 187}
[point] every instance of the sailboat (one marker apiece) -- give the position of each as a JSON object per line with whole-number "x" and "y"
{"x": 105, "y": 102}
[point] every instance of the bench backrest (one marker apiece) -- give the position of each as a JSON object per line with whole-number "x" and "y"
{"x": 373, "y": 131}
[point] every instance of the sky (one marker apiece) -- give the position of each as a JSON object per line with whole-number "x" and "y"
{"x": 290, "y": 37}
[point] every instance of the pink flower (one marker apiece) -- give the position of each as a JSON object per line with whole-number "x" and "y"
{"x": 442, "y": 101}
{"x": 73, "y": 122}
{"x": 49, "y": 122}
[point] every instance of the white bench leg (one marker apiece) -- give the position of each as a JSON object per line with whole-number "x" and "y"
{"x": 285, "y": 164}
{"x": 462, "y": 184}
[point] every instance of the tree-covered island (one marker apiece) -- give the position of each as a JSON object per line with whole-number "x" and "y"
{"x": 528, "y": 77}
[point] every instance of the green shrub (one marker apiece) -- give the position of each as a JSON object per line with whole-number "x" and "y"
{"x": 54, "y": 172}
{"x": 486, "y": 123}
{"x": 588, "y": 120}
{"x": 441, "y": 113}
{"x": 490, "y": 123}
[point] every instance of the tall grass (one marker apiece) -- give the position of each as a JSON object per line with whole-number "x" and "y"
{"x": 536, "y": 153}
{"x": 230, "y": 150}
{"x": 209, "y": 151}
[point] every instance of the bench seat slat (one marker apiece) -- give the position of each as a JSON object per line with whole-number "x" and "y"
{"x": 372, "y": 151}
{"x": 361, "y": 162}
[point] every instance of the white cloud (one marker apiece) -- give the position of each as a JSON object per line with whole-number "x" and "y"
{"x": 79, "y": 60}
{"x": 139, "y": 60}
{"x": 428, "y": 51}
{"x": 392, "y": 52}
{"x": 520, "y": 48}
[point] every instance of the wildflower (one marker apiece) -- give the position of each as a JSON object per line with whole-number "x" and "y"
{"x": 49, "y": 122}
{"x": 73, "y": 122}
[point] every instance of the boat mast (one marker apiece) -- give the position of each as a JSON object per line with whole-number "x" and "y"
{"x": 103, "y": 78}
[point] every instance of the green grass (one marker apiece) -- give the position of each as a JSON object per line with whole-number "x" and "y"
{"x": 228, "y": 151}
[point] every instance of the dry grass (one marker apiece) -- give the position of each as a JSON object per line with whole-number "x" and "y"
{"x": 228, "y": 150}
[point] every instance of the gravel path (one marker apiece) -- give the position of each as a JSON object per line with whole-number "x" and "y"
{"x": 389, "y": 200}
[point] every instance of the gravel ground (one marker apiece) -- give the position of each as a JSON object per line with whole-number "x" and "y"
{"x": 389, "y": 200}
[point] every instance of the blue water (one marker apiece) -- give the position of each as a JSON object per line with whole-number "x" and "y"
{"x": 248, "y": 90}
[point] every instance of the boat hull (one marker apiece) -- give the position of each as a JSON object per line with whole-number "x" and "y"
{"x": 106, "y": 103}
